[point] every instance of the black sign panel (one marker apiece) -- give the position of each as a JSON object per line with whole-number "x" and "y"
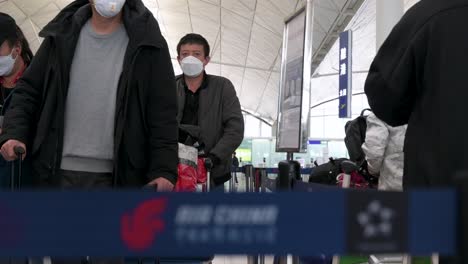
{"x": 376, "y": 225}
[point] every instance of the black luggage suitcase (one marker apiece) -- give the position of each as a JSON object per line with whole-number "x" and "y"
{"x": 15, "y": 184}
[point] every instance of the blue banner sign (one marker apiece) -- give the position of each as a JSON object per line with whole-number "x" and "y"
{"x": 315, "y": 142}
{"x": 64, "y": 224}
{"x": 345, "y": 74}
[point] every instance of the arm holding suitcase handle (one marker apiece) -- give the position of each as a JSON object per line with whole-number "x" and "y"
{"x": 161, "y": 184}
{"x": 164, "y": 185}
{"x": 9, "y": 150}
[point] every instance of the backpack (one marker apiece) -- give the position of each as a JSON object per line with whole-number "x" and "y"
{"x": 326, "y": 173}
{"x": 355, "y": 131}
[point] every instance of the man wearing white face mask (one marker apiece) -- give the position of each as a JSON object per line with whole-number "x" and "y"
{"x": 15, "y": 56}
{"x": 97, "y": 108}
{"x": 209, "y": 102}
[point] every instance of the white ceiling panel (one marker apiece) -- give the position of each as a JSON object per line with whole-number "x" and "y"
{"x": 245, "y": 37}
{"x": 235, "y": 37}
{"x": 234, "y": 74}
{"x": 264, "y": 48}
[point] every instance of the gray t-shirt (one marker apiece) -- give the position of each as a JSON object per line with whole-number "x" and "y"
{"x": 91, "y": 100}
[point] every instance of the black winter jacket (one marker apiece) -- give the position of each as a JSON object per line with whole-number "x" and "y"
{"x": 146, "y": 127}
{"x": 419, "y": 78}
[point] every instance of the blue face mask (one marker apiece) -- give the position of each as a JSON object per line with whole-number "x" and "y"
{"x": 6, "y": 64}
{"x": 109, "y": 8}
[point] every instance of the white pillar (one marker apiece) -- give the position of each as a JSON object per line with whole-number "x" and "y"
{"x": 388, "y": 13}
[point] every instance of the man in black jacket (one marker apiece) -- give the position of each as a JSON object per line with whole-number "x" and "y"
{"x": 209, "y": 102}
{"x": 97, "y": 107}
{"x": 419, "y": 78}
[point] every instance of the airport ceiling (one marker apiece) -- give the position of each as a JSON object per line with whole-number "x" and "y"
{"x": 245, "y": 36}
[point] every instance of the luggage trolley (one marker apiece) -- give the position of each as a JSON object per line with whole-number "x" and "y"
{"x": 203, "y": 187}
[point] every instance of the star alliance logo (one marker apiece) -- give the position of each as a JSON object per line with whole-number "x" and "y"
{"x": 376, "y": 220}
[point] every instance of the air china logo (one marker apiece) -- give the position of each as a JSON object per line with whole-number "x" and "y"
{"x": 226, "y": 224}
{"x": 378, "y": 222}
{"x": 139, "y": 228}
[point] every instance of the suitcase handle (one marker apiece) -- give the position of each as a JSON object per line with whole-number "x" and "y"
{"x": 209, "y": 166}
{"x": 19, "y": 151}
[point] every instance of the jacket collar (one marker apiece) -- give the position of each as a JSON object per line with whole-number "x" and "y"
{"x": 203, "y": 85}
{"x": 142, "y": 27}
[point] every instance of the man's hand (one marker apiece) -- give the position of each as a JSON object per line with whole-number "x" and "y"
{"x": 163, "y": 184}
{"x": 8, "y": 149}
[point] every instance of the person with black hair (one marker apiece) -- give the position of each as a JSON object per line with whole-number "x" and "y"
{"x": 209, "y": 102}
{"x": 15, "y": 57}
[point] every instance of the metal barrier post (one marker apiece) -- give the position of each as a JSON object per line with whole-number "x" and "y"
{"x": 252, "y": 180}
{"x": 251, "y": 186}
{"x": 259, "y": 179}
{"x": 232, "y": 180}
{"x": 288, "y": 173}
{"x": 263, "y": 177}
{"x": 249, "y": 171}
{"x": 261, "y": 259}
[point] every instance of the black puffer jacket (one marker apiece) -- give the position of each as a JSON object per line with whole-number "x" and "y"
{"x": 146, "y": 126}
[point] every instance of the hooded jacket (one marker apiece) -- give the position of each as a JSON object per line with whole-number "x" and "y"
{"x": 384, "y": 152}
{"x": 145, "y": 137}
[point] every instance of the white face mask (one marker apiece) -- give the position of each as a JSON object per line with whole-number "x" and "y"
{"x": 191, "y": 66}
{"x": 6, "y": 64}
{"x": 109, "y": 8}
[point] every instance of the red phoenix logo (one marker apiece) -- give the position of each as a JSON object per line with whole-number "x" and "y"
{"x": 139, "y": 228}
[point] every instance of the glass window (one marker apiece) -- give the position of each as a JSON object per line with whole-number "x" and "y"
{"x": 317, "y": 128}
{"x": 324, "y": 120}
{"x": 265, "y": 130}
{"x": 334, "y": 127}
{"x": 252, "y": 126}
{"x": 275, "y": 157}
{"x": 261, "y": 150}
{"x": 337, "y": 149}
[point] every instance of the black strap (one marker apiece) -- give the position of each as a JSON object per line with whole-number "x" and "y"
{"x": 363, "y": 111}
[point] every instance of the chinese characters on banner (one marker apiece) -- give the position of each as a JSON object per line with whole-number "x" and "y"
{"x": 345, "y": 74}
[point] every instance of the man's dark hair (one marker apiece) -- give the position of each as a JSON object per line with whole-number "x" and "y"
{"x": 13, "y": 36}
{"x": 193, "y": 38}
{"x": 20, "y": 39}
